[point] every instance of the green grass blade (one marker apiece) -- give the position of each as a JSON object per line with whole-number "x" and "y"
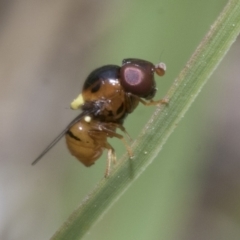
{"x": 181, "y": 95}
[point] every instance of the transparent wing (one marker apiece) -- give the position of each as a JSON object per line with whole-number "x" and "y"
{"x": 55, "y": 141}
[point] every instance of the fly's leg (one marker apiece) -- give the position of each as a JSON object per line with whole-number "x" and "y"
{"x": 133, "y": 100}
{"x": 153, "y": 103}
{"x": 123, "y": 129}
{"x": 100, "y": 132}
{"x": 111, "y": 133}
{"x": 100, "y": 137}
{"x": 110, "y": 126}
{"x": 111, "y": 158}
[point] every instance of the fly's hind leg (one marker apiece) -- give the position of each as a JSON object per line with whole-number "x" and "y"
{"x": 100, "y": 134}
{"x": 100, "y": 137}
{"x": 111, "y": 158}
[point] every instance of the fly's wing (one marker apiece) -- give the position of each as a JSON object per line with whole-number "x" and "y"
{"x": 54, "y": 142}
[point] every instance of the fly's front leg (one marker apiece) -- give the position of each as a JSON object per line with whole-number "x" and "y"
{"x": 152, "y": 102}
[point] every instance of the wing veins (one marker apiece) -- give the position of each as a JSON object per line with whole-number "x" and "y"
{"x": 56, "y": 140}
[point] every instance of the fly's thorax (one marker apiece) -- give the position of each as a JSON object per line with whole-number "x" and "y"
{"x": 103, "y": 89}
{"x": 107, "y": 98}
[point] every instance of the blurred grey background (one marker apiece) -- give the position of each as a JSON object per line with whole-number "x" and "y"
{"x": 47, "y": 48}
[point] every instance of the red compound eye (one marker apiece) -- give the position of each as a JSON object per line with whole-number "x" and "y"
{"x": 137, "y": 77}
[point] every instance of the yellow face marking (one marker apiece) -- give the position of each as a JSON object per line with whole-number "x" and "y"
{"x": 77, "y": 103}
